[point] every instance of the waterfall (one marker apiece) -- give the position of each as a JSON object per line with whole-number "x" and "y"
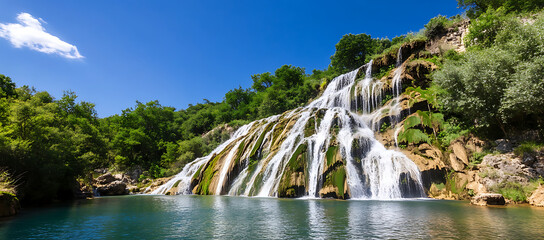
{"x": 395, "y": 110}
{"x": 256, "y": 158}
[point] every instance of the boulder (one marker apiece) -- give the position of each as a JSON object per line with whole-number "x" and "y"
{"x": 9, "y": 204}
{"x": 537, "y": 198}
{"x": 501, "y": 168}
{"x": 503, "y": 145}
{"x": 114, "y": 188}
{"x": 460, "y": 152}
{"x": 105, "y": 179}
{"x": 485, "y": 199}
{"x": 456, "y": 164}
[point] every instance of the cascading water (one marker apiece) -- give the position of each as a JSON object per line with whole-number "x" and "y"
{"x": 395, "y": 110}
{"x": 275, "y": 144}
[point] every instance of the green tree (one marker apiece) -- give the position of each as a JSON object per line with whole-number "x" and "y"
{"x": 351, "y": 52}
{"x": 7, "y": 87}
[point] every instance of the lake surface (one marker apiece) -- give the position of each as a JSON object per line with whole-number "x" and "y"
{"x": 206, "y": 217}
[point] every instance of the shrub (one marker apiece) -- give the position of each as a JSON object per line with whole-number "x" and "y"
{"x": 436, "y": 26}
{"x": 527, "y": 147}
{"x": 483, "y": 31}
{"x": 500, "y": 86}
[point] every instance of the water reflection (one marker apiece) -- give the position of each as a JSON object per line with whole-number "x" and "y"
{"x": 216, "y": 217}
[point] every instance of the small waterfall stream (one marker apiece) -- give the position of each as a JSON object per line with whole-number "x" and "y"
{"x": 346, "y": 115}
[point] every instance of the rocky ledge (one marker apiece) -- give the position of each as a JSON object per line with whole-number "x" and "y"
{"x": 485, "y": 199}
{"x": 537, "y": 198}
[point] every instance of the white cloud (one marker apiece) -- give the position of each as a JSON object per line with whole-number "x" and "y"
{"x": 30, "y": 33}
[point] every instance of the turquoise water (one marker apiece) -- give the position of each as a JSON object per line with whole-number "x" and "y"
{"x": 212, "y": 217}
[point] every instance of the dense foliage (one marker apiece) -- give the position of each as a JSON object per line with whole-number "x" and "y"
{"x": 477, "y": 7}
{"x": 47, "y": 142}
{"x": 353, "y": 51}
{"x": 499, "y": 82}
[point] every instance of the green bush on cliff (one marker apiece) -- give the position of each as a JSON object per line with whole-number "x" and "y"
{"x": 500, "y": 86}
{"x": 438, "y": 25}
{"x": 476, "y": 7}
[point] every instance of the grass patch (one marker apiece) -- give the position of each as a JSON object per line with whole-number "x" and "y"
{"x": 528, "y": 147}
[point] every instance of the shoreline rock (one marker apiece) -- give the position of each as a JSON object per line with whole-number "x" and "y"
{"x": 485, "y": 199}
{"x": 537, "y": 198}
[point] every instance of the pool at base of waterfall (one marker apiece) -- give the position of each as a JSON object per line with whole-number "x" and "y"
{"x": 221, "y": 217}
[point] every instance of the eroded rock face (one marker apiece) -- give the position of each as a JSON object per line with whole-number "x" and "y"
{"x": 460, "y": 152}
{"x": 499, "y": 168}
{"x": 537, "y": 198}
{"x": 485, "y": 199}
{"x": 9, "y": 204}
{"x": 113, "y": 188}
{"x": 451, "y": 39}
{"x": 109, "y": 185}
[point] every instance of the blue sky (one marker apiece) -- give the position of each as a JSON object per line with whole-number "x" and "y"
{"x": 113, "y": 53}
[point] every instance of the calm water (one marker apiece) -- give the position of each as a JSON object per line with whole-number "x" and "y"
{"x": 205, "y": 217}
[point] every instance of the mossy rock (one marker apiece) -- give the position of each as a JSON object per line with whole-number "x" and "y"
{"x": 334, "y": 175}
{"x": 334, "y": 185}
{"x": 310, "y": 127}
{"x": 294, "y": 180}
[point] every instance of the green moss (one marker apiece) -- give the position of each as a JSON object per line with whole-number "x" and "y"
{"x": 300, "y": 154}
{"x": 297, "y": 164}
{"x": 339, "y": 180}
{"x": 258, "y": 183}
{"x": 336, "y": 178}
{"x": 176, "y": 184}
{"x": 261, "y": 138}
{"x": 278, "y": 130}
{"x": 331, "y": 155}
{"x": 197, "y": 173}
{"x": 207, "y": 176}
{"x": 309, "y": 129}
{"x": 241, "y": 148}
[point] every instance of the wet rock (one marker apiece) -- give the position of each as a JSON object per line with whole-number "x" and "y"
{"x": 9, "y": 204}
{"x": 537, "y": 198}
{"x": 485, "y": 199}
{"x": 503, "y": 145}
{"x": 156, "y": 184}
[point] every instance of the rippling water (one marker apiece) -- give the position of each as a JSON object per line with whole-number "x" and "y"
{"x": 205, "y": 217}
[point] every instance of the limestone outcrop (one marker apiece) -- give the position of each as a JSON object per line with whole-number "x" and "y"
{"x": 537, "y": 198}
{"x": 110, "y": 185}
{"x": 485, "y": 199}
